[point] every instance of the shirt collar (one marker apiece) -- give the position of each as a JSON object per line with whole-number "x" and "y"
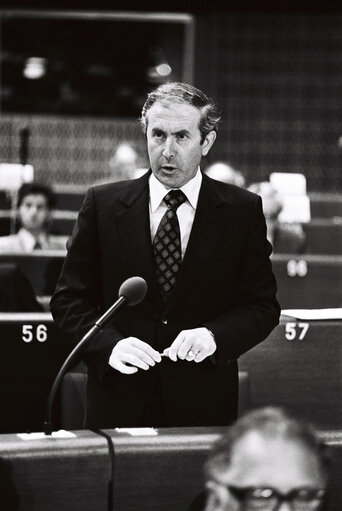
{"x": 191, "y": 190}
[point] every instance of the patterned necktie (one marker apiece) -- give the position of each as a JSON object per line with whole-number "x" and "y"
{"x": 167, "y": 243}
{"x": 37, "y": 245}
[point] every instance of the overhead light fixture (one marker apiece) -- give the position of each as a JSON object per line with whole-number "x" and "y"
{"x": 35, "y": 68}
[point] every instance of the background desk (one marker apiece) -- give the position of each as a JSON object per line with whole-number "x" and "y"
{"x": 160, "y": 473}
{"x": 145, "y": 473}
{"x": 69, "y": 474}
{"x": 308, "y": 281}
{"x": 42, "y": 267}
{"x": 299, "y": 366}
{"x": 32, "y": 351}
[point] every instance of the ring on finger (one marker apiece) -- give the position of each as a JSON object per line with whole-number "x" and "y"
{"x": 191, "y": 353}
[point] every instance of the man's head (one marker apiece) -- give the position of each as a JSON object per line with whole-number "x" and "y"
{"x": 267, "y": 461}
{"x": 35, "y": 202}
{"x": 180, "y": 124}
{"x": 225, "y": 173}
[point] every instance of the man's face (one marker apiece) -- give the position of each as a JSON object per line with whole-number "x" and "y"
{"x": 174, "y": 142}
{"x": 281, "y": 464}
{"x": 34, "y": 212}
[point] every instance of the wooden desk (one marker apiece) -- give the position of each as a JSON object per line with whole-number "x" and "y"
{"x": 299, "y": 366}
{"x": 308, "y": 281}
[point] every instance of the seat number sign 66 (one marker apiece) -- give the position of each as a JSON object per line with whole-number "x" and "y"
{"x": 31, "y": 333}
{"x": 296, "y": 331}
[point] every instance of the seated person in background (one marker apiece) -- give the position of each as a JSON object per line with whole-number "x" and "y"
{"x": 223, "y": 172}
{"x": 285, "y": 237}
{"x": 35, "y": 204}
{"x": 268, "y": 461}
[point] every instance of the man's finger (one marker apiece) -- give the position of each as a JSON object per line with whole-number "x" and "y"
{"x": 146, "y": 348}
{"x": 200, "y": 356}
{"x": 175, "y": 346}
{"x": 185, "y": 349}
{"x": 135, "y": 360}
{"x": 122, "y": 368}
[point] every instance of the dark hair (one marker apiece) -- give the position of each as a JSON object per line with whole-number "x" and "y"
{"x": 36, "y": 189}
{"x": 272, "y": 422}
{"x": 177, "y": 92}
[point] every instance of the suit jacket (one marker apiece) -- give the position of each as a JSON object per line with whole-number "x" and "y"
{"x": 225, "y": 283}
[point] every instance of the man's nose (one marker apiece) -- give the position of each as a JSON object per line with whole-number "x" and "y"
{"x": 169, "y": 148}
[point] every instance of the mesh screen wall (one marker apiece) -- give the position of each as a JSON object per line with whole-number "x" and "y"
{"x": 69, "y": 150}
{"x": 278, "y": 79}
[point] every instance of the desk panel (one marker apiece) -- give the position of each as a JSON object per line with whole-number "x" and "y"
{"x": 165, "y": 472}
{"x": 59, "y": 474}
{"x": 324, "y": 236}
{"x": 308, "y": 281}
{"x": 62, "y": 223}
{"x": 32, "y": 352}
{"x": 160, "y": 473}
{"x": 299, "y": 366}
{"x": 41, "y": 267}
{"x": 325, "y": 205}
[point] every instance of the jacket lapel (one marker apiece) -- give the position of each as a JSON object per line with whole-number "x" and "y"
{"x": 134, "y": 228}
{"x": 208, "y": 227}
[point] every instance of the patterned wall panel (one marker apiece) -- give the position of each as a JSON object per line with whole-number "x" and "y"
{"x": 69, "y": 150}
{"x": 278, "y": 79}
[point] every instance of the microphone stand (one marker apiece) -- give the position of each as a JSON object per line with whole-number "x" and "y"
{"x": 100, "y": 323}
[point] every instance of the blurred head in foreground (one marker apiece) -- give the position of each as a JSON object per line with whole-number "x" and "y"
{"x": 267, "y": 461}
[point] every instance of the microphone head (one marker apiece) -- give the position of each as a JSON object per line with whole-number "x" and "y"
{"x": 133, "y": 290}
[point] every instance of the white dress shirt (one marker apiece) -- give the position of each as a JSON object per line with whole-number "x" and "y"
{"x": 24, "y": 241}
{"x": 185, "y": 212}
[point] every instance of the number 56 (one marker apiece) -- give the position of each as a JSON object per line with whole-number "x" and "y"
{"x": 27, "y": 333}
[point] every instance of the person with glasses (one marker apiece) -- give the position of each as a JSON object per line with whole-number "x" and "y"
{"x": 267, "y": 461}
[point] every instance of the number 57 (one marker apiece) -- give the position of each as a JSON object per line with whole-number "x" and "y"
{"x": 291, "y": 331}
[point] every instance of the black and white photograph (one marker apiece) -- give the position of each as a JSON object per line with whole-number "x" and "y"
{"x": 170, "y": 255}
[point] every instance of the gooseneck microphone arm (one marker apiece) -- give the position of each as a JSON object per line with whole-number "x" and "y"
{"x": 132, "y": 292}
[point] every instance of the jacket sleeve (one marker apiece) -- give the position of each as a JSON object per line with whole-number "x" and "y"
{"x": 256, "y": 311}
{"x": 75, "y": 306}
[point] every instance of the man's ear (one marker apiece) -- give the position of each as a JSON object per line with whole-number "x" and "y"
{"x": 208, "y": 142}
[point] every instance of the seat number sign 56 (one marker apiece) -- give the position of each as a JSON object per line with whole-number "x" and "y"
{"x": 31, "y": 333}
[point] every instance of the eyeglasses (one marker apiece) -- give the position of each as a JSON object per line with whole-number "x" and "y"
{"x": 269, "y": 499}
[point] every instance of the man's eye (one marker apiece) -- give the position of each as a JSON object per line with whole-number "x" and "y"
{"x": 181, "y": 136}
{"x": 158, "y": 134}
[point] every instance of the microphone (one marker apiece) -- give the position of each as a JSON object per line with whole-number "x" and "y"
{"x": 132, "y": 291}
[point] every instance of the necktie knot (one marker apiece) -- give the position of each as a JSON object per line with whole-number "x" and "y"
{"x": 174, "y": 198}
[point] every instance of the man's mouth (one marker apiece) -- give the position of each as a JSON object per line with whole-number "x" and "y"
{"x": 168, "y": 168}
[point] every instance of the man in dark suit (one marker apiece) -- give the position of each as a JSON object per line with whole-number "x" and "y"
{"x": 203, "y": 252}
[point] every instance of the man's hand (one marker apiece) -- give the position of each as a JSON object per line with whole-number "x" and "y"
{"x": 138, "y": 354}
{"x": 193, "y": 345}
